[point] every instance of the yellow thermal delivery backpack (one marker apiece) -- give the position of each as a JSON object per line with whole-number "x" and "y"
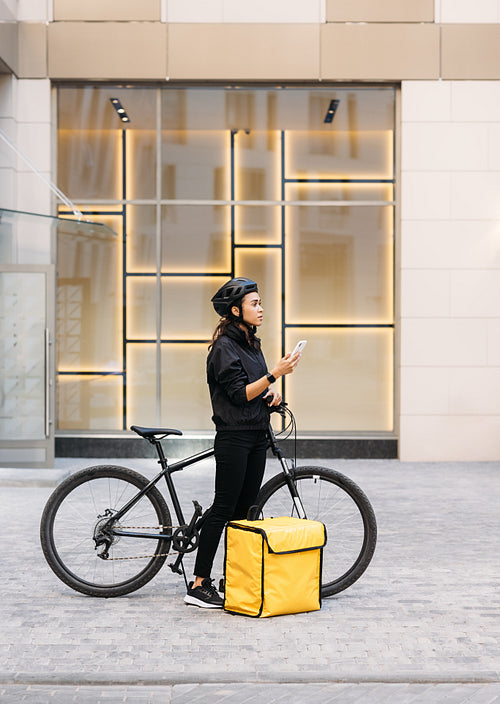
{"x": 273, "y": 566}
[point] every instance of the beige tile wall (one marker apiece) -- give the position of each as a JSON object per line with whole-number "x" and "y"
{"x": 471, "y": 51}
{"x": 100, "y": 50}
{"x": 23, "y": 48}
{"x": 450, "y": 271}
{"x": 243, "y": 51}
{"x": 32, "y": 53}
{"x": 379, "y": 51}
{"x": 389, "y": 51}
{"x": 8, "y": 45}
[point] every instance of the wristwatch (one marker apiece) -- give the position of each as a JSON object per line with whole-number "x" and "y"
{"x": 271, "y": 379}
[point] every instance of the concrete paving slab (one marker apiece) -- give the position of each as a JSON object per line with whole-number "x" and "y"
{"x": 425, "y": 614}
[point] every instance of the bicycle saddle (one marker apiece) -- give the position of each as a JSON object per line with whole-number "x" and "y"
{"x": 151, "y": 432}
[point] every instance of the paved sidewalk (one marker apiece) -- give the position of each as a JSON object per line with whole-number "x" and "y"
{"x": 421, "y": 625}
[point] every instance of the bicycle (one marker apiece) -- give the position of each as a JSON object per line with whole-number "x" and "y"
{"x": 98, "y": 518}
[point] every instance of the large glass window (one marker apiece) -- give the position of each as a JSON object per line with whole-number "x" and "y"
{"x": 292, "y": 186}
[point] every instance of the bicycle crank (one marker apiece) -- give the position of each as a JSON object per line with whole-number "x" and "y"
{"x": 185, "y": 539}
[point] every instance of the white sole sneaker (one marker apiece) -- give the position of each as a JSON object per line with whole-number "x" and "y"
{"x": 193, "y": 601}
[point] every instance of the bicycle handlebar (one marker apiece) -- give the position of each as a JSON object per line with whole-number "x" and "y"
{"x": 279, "y": 409}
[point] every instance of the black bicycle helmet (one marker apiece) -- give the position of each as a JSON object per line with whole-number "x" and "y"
{"x": 231, "y": 294}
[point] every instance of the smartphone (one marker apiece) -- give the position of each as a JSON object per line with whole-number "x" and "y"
{"x": 299, "y": 346}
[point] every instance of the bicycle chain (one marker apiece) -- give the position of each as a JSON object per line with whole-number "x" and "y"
{"x": 146, "y": 527}
{"x": 138, "y": 557}
{"x": 141, "y": 557}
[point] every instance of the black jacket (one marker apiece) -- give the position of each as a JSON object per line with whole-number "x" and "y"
{"x": 232, "y": 364}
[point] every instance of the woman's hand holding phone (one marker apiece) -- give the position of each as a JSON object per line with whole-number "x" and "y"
{"x": 287, "y": 364}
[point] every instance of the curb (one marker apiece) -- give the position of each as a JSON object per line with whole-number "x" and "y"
{"x": 178, "y": 678}
{"x": 32, "y": 477}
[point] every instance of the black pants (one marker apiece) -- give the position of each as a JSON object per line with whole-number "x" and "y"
{"x": 240, "y": 462}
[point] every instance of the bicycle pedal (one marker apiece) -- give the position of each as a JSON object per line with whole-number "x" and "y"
{"x": 174, "y": 569}
{"x": 222, "y": 585}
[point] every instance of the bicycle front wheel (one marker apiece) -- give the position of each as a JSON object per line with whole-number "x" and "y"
{"x": 74, "y": 515}
{"x": 339, "y": 503}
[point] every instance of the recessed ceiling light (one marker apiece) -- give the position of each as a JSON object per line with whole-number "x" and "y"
{"x": 332, "y": 109}
{"x": 120, "y": 109}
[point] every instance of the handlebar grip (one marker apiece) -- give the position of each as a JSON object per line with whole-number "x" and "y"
{"x": 279, "y": 409}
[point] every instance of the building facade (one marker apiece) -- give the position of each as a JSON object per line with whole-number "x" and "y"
{"x": 345, "y": 154}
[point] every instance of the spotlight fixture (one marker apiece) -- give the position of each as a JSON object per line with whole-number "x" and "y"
{"x": 120, "y": 110}
{"x": 332, "y": 109}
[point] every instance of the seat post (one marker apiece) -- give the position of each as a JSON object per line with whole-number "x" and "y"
{"x": 159, "y": 451}
{"x": 170, "y": 485}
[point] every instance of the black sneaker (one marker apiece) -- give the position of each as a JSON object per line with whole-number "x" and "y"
{"x": 205, "y": 595}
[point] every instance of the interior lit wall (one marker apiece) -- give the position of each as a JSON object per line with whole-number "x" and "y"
{"x": 203, "y": 184}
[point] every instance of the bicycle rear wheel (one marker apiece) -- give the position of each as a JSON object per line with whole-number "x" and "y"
{"x": 339, "y": 503}
{"x": 74, "y": 515}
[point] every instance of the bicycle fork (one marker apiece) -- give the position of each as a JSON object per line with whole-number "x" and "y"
{"x": 297, "y": 501}
{"x": 289, "y": 478}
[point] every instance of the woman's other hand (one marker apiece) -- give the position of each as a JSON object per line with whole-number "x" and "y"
{"x": 273, "y": 398}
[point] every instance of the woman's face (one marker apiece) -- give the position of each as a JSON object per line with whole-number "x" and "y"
{"x": 251, "y": 308}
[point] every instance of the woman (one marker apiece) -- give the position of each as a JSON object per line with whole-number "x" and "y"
{"x": 241, "y": 393}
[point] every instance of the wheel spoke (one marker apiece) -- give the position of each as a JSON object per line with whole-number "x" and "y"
{"x": 336, "y": 501}
{"x": 81, "y": 507}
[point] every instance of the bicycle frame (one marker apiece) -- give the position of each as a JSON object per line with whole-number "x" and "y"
{"x": 190, "y": 530}
{"x": 167, "y": 471}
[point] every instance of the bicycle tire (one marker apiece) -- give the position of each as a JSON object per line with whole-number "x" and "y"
{"x": 71, "y": 516}
{"x": 338, "y": 502}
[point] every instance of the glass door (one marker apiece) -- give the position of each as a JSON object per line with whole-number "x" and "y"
{"x": 26, "y": 366}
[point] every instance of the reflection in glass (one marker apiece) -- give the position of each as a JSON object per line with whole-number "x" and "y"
{"x": 196, "y": 239}
{"x": 264, "y": 267}
{"x": 141, "y": 238}
{"x": 339, "y": 154}
{"x": 141, "y": 163}
{"x": 89, "y": 302}
{"x": 257, "y": 165}
{"x": 22, "y": 356}
{"x": 26, "y": 238}
{"x": 344, "y": 381}
{"x": 215, "y": 144}
{"x": 339, "y": 191}
{"x": 89, "y": 163}
{"x": 187, "y": 311}
{"x": 141, "y": 384}
{"x": 91, "y": 142}
{"x": 195, "y": 164}
{"x": 92, "y": 402}
{"x": 141, "y": 307}
{"x": 185, "y": 398}
{"x": 339, "y": 265}
{"x": 257, "y": 224}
